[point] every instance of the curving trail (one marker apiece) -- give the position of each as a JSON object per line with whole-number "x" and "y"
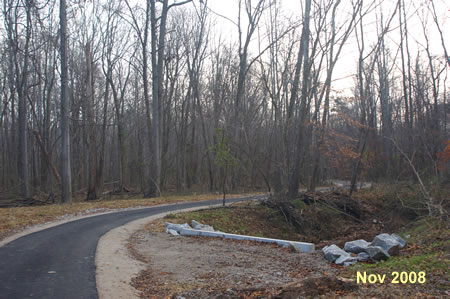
{"x": 59, "y": 262}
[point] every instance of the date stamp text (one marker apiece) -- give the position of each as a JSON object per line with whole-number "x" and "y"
{"x": 395, "y": 277}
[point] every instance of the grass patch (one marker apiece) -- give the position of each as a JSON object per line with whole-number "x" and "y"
{"x": 17, "y": 218}
{"x": 433, "y": 262}
{"x": 241, "y": 218}
{"x": 298, "y": 204}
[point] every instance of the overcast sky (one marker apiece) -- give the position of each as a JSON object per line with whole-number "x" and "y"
{"x": 347, "y": 64}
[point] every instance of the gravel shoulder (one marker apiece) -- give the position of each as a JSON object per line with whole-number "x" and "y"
{"x": 198, "y": 267}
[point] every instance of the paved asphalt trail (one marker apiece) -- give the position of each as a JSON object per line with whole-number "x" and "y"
{"x": 59, "y": 262}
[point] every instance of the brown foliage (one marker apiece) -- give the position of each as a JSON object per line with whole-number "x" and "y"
{"x": 444, "y": 157}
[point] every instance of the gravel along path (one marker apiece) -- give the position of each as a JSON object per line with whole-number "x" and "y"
{"x": 199, "y": 267}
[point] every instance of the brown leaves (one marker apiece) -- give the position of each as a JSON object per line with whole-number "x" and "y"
{"x": 317, "y": 286}
{"x": 444, "y": 157}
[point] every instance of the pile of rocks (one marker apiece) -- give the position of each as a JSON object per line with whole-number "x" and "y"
{"x": 381, "y": 248}
{"x": 175, "y": 229}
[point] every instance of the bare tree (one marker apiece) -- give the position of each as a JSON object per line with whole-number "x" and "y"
{"x": 327, "y": 88}
{"x": 365, "y": 79}
{"x": 438, "y": 26}
{"x": 157, "y": 58}
{"x": 92, "y": 140}
{"x": 294, "y": 173}
{"x": 66, "y": 178}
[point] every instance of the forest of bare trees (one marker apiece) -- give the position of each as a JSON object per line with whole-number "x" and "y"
{"x": 154, "y": 97}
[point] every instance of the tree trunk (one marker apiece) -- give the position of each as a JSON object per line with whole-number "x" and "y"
{"x": 294, "y": 179}
{"x": 22, "y": 90}
{"x": 157, "y": 76}
{"x": 66, "y": 179}
{"x": 101, "y": 160}
{"x": 92, "y": 139}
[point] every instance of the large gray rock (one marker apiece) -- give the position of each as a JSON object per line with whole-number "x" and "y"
{"x": 356, "y": 246}
{"x": 399, "y": 240}
{"x": 346, "y": 260}
{"x": 377, "y": 253}
{"x": 363, "y": 256}
{"x": 333, "y": 252}
{"x": 176, "y": 227}
{"x": 389, "y": 243}
{"x": 198, "y": 226}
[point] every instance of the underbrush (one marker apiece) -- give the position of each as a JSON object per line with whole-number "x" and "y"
{"x": 317, "y": 217}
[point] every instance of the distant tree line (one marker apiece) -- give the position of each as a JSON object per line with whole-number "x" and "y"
{"x": 149, "y": 96}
